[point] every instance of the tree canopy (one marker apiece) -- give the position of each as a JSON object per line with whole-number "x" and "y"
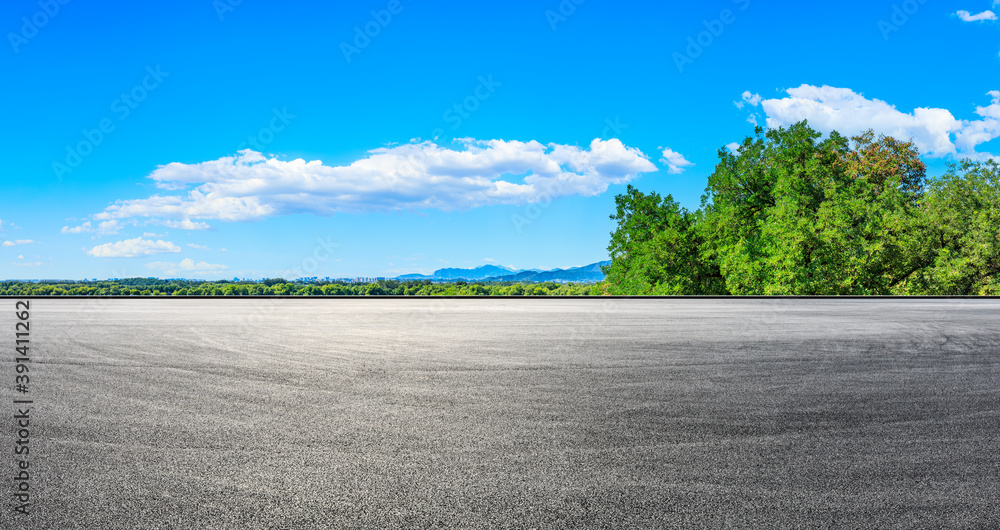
{"x": 792, "y": 213}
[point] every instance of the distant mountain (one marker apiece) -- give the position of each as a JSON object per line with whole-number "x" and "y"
{"x": 494, "y": 273}
{"x": 587, "y": 273}
{"x": 479, "y": 273}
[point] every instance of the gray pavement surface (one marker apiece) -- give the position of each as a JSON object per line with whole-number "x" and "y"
{"x": 539, "y": 413}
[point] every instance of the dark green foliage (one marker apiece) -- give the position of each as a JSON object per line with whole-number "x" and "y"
{"x": 656, "y": 249}
{"x": 792, "y": 213}
{"x": 958, "y": 245}
{"x": 156, "y": 287}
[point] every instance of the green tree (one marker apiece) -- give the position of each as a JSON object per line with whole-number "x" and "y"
{"x": 959, "y": 240}
{"x": 786, "y": 213}
{"x": 760, "y": 210}
{"x": 792, "y": 214}
{"x": 656, "y": 249}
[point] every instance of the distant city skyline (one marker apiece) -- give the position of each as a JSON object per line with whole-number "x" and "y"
{"x": 212, "y": 140}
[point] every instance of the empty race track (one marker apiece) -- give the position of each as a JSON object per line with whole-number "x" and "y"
{"x": 547, "y": 413}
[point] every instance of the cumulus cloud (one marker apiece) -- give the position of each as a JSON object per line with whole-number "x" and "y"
{"x": 198, "y": 247}
{"x": 936, "y": 132}
{"x": 676, "y": 163}
{"x": 733, "y": 147}
{"x": 103, "y": 228}
{"x": 747, "y": 97}
{"x": 965, "y": 16}
{"x": 108, "y": 227}
{"x": 415, "y": 176}
{"x": 187, "y": 266}
{"x": 131, "y": 248}
{"x": 17, "y": 242}
{"x": 85, "y": 227}
{"x": 981, "y": 131}
{"x": 183, "y": 224}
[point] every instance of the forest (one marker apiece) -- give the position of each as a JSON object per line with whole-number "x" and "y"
{"x": 791, "y": 213}
{"x": 283, "y": 287}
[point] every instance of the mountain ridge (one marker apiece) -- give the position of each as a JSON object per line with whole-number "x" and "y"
{"x": 495, "y": 273}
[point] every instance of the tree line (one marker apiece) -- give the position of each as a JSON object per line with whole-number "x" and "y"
{"x": 280, "y": 286}
{"x": 792, "y": 213}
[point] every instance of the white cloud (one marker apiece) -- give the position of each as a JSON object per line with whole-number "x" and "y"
{"x": 108, "y": 227}
{"x": 413, "y": 176}
{"x": 183, "y": 224}
{"x": 676, "y": 163}
{"x": 20, "y": 256}
{"x": 1, "y": 225}
{"x": 198, "y": 247}
{"x": 28, "y": 263}
{"x": 85, "y": 227}
{"x": 17, "y": 242}
{"x": 965, "y": 16}
{"x": 733, "y": 147}
{"x": 981, "y": 131}
{"x": 153, "y": 234}
{"x": 747, "y": 97}
{"x": 187, "y": 266}
{"x": 131, "y": 248}
{"x": 104, "y": 228}
{"x": 935, "y": 132}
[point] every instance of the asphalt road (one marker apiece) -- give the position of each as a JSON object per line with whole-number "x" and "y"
{"x": 540, "y": 413}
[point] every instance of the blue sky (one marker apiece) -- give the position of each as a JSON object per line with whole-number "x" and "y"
{"x": 256, "y": 139}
